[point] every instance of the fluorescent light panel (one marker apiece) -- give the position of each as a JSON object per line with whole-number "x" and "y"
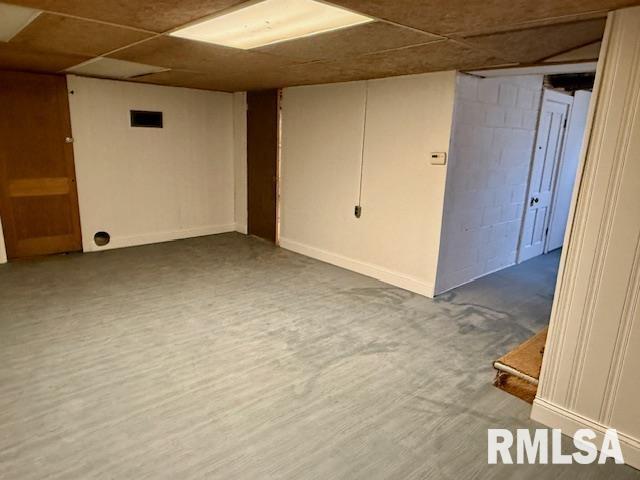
{"x": 13, "y": 19}
{"x": 113, "y": 68}
{"x": 271, "y": 21}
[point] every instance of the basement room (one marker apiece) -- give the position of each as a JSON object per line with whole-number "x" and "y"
{"x": 308, "y": 239}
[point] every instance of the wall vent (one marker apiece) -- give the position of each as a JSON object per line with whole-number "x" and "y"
{"x": 145, "y": 119}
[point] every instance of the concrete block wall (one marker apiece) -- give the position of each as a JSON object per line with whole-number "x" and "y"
{"x": 494, "y": 130}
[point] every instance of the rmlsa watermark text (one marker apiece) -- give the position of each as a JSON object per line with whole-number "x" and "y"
{"x": 544, "y": 446}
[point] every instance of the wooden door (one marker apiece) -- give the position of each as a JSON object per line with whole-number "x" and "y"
{"x": 548, "y": 151}
{"x": 38, "y": 197}
{"x": 262, "y": 163}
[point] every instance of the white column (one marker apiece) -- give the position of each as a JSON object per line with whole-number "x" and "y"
{"x": 592, "y": 359}
{"x": 3, "y": 252}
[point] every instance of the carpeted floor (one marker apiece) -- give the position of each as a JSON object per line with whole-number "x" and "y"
{"x": 225, "y": 357}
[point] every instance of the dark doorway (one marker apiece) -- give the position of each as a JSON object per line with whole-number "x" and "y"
{"x": 38, "y": 196}
{"x": 262, "y": 163}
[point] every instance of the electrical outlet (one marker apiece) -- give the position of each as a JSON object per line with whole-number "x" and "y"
{"x": 438, "y": 158}
{"x": 357, "y": 211}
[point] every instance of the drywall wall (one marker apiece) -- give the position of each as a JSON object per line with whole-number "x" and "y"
{"x": 145, "y": 185}
{"x": 494, "y": 130}
{"x": 592, "y": 357}
{"x": 240, "y": 160}
{"x": 3, "y": 251}
{"x": 567, "y": 169}
{"x": 397, "y": 237}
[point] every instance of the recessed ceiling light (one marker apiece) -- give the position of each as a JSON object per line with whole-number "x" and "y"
{"x": 13, "y": 19}
{"x": 112, "y": 68}
{"x": 271, "y": 21}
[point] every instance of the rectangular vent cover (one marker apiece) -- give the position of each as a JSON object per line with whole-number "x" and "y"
{"x": 141, "y": 118}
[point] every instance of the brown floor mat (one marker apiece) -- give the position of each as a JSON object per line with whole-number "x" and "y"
{"x": 519, "y": 370}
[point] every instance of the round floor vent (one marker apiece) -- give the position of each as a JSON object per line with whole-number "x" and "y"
{"x": 101, "y": 239}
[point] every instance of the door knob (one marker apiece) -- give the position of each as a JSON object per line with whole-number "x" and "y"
{"x": 68, "y": 140}
{"x": 533, "y": 201}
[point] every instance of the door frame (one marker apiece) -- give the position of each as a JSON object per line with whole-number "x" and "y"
{"x": 547, "y": 93}
{"x": 277, "y": 141}
{"x": 561, "y": 164}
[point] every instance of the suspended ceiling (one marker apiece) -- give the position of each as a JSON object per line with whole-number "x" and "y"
{"x": 408, "y": 36}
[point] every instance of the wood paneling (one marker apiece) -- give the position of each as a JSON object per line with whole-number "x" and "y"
{"x": 38, "y": 198}
{"x": 262, "y": 163}
{"x": 73, "y": 35}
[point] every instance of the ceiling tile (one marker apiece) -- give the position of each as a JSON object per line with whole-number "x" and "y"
{"x": 470, "y": 16}
{"x": 73, "y": 35}
{"x": 13, "y": 19}
{"x": 437, "y": 56}
{"x": 19, "y": 57}
{"x": 112, "y": 68}
{"x": 534, "y": 44}
{"x": 443, "y": 55}
{"x": 153, "y": 15}
{"x": 361, "y": 39}
{"x": 180, "y": 54}
{"x": 191, "y": 80}
{"x": 299, "y": 74}
{"x": 587, "y": 52}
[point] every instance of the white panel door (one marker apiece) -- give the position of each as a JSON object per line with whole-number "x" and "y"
{"x": 548, "y": 150}
{"x": 568, "y": 169}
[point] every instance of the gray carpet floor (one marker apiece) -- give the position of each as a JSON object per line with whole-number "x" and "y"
{"x": 225, "y": 357}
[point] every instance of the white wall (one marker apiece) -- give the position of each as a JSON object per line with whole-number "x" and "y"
{"x": 3, "y": 252}
{"x": 240, "y": 159}
{"x": 495, "y": 123}
{"x": 397, "y": 237}
{"x": 567, "y": 169}
{"x": 145, "y": 185}
{"x": 592, "y": 358}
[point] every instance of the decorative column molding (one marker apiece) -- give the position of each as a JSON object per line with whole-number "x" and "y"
{"x": 593, "y": 350}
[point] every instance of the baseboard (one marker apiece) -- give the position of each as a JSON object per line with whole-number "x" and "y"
{"x": 495, "y": 270}
{"x": 241, "y": 228}
{"x": 555, "y": 416}
{"x": 159, "y": 237}
{"x": 379, "y": 273}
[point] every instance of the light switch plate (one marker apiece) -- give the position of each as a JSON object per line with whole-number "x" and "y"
{"x": 438, "y": 158}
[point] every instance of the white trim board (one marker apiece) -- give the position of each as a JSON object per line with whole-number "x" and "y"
{"x": 159, "y": 237}
{"x": 563, "y": 68}
{"x": 379, "y": 273}
{"x": 554, "y": 416}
